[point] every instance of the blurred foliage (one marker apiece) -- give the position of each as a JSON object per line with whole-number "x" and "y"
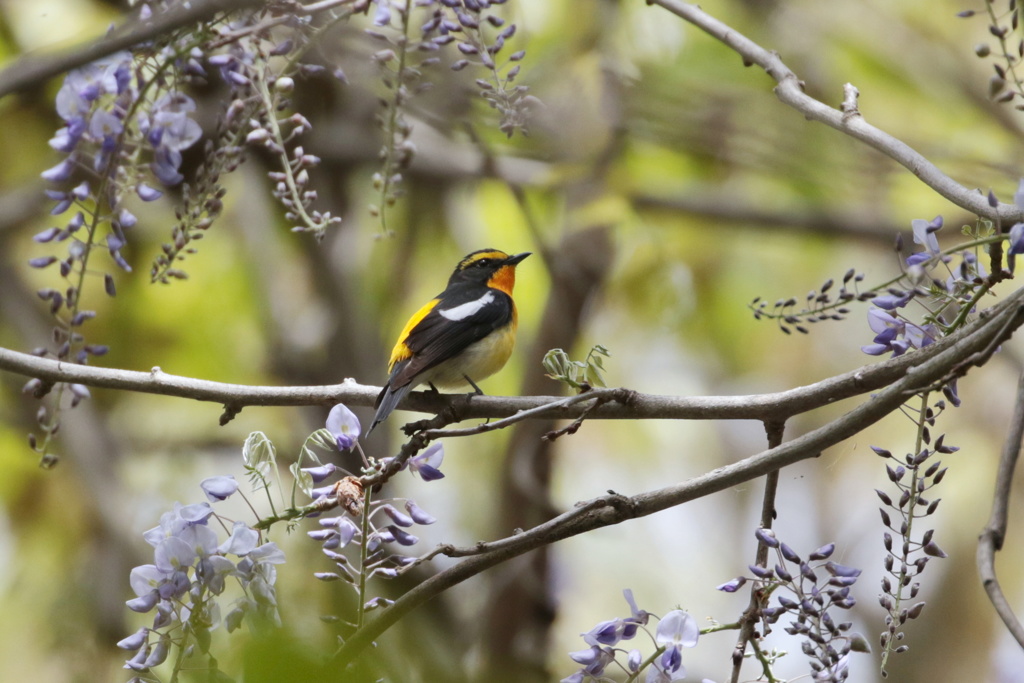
{"x": 647, "y": 126}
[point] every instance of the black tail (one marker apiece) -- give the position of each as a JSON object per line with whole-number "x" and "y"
{"x": 386, "y": 402}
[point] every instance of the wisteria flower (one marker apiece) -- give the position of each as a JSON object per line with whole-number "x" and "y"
{"x": 887, "y": 329}
{"x": 837, "y": 672}
{"x": 593, "y": 660}
{"x": 428, "y": 463}
{"x": 174, "y": 522}
{"x": 343, "y": 424}
{"x": 639, "y": 616}
{"x": 1016, "y": 243}
{"x": 242, "y": 541}
{"x": 614, "y": 630}
{"x": 320, "y": 472}
{"x": 170, "y": 125}
{"x": 1017, "y": 231}
{"x": 218, "y": 488}
{"x": 924, "y": 234}
{"x": 675, "y": 631}
{"x": 657, "y": 674}
{"x": 83, "y": 86}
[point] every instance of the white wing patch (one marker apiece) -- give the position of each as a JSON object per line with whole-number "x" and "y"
{"x": 463, "y": 311}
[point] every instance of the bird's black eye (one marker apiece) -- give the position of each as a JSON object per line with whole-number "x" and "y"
{"x": 483, "y": 263}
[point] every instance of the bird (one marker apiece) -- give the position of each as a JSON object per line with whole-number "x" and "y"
{"x": 460, "y": 337}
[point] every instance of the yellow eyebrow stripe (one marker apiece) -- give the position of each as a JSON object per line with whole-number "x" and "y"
{"x": 473, "y": 258}
{"x": 401, "y": 351}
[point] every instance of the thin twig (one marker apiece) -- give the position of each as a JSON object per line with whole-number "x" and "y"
{"x": 994, "y": 533}
{"x": 791, "y": 91}
{"x": 597, "y": 396}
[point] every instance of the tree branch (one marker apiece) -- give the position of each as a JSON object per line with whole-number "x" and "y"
{"x": 851, "y": 121}
{"x": 1002, "y": 320}
{"x": 994, "y": 533}
{"x": 765, "y": 407}
{"x": 773, "y": 406}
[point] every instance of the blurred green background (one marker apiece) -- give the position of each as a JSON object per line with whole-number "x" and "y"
{"x": 670, "y": 188}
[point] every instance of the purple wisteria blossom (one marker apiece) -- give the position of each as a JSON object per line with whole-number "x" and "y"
{"x": 83, "y": 88}
{"x": 675, "y": 631}
{"x": 428, "y": 463}
{"x": 1017, "y": 231}
{"x": 169, "y": 130}
{"x": 218, "y": 488}
{"x": 810, "y": 589}
{"x": 111, "y": 132}
{"x": 190, "y": 570}
{"x": 924, "y": 234}
{"x": 343, "y": 424}
{"x": 375, "y": 527}
{"x": 893, "y": 333}
{"x": 319, "y": 473}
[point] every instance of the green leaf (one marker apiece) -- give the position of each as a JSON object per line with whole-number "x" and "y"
{"x": 576, "y": 373}
{"x": 260, "y": 458}
{"x": 302, "y": 479}
{"x": 321, "y": 438}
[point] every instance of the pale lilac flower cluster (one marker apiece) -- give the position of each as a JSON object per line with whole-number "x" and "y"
{"x": 893, "y": 333}
{"x": 108, "y": 131}
{"x": 946, "y": 296}
{"x": 676, "y": 630}
{"x": 817, "y": 586}
{"x": 190, "y": 571}
{"x": 914, "y": 476}
{"x": 467, "y": 28}
{"x": 385, "y": 527}
{"x": 94, "y": 102}
{"x": 478, "y": 34}
{"x": 272, "y": 124}
{"x": 107, "y": 126}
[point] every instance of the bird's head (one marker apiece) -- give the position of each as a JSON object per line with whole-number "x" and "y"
{"x": 489, "y": 267}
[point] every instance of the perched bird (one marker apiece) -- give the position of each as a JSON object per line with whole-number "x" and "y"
{"x": 461, "y": 336}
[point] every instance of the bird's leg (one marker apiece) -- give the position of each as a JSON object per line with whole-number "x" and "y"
{"x": 433, "y": 389}
{"x": 476, "y": 390}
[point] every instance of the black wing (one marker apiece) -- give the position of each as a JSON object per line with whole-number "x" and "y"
{"x": 437, "y": 338}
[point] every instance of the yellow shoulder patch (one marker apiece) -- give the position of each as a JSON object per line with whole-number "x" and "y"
{"x": 401, "y": 351}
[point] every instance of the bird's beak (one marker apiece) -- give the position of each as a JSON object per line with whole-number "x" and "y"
{"x": 514, "y": 260}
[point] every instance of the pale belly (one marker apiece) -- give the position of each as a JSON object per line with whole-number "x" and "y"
{"x": 478, "y": 361}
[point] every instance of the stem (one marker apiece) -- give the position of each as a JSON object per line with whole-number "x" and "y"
{"x": 774, "y": 431}
{"x": 298, "y": 206}
{"x": 394, "y": 106}
{"x": 961, "y": 317}
{"x": 363, "y": 554}
{"x": 973, "y": 244}
{"x": 287, "y": 515}
{"x": 766, "y": 667}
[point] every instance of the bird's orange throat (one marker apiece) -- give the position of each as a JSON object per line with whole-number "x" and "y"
{"x": 504, "y": 279}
